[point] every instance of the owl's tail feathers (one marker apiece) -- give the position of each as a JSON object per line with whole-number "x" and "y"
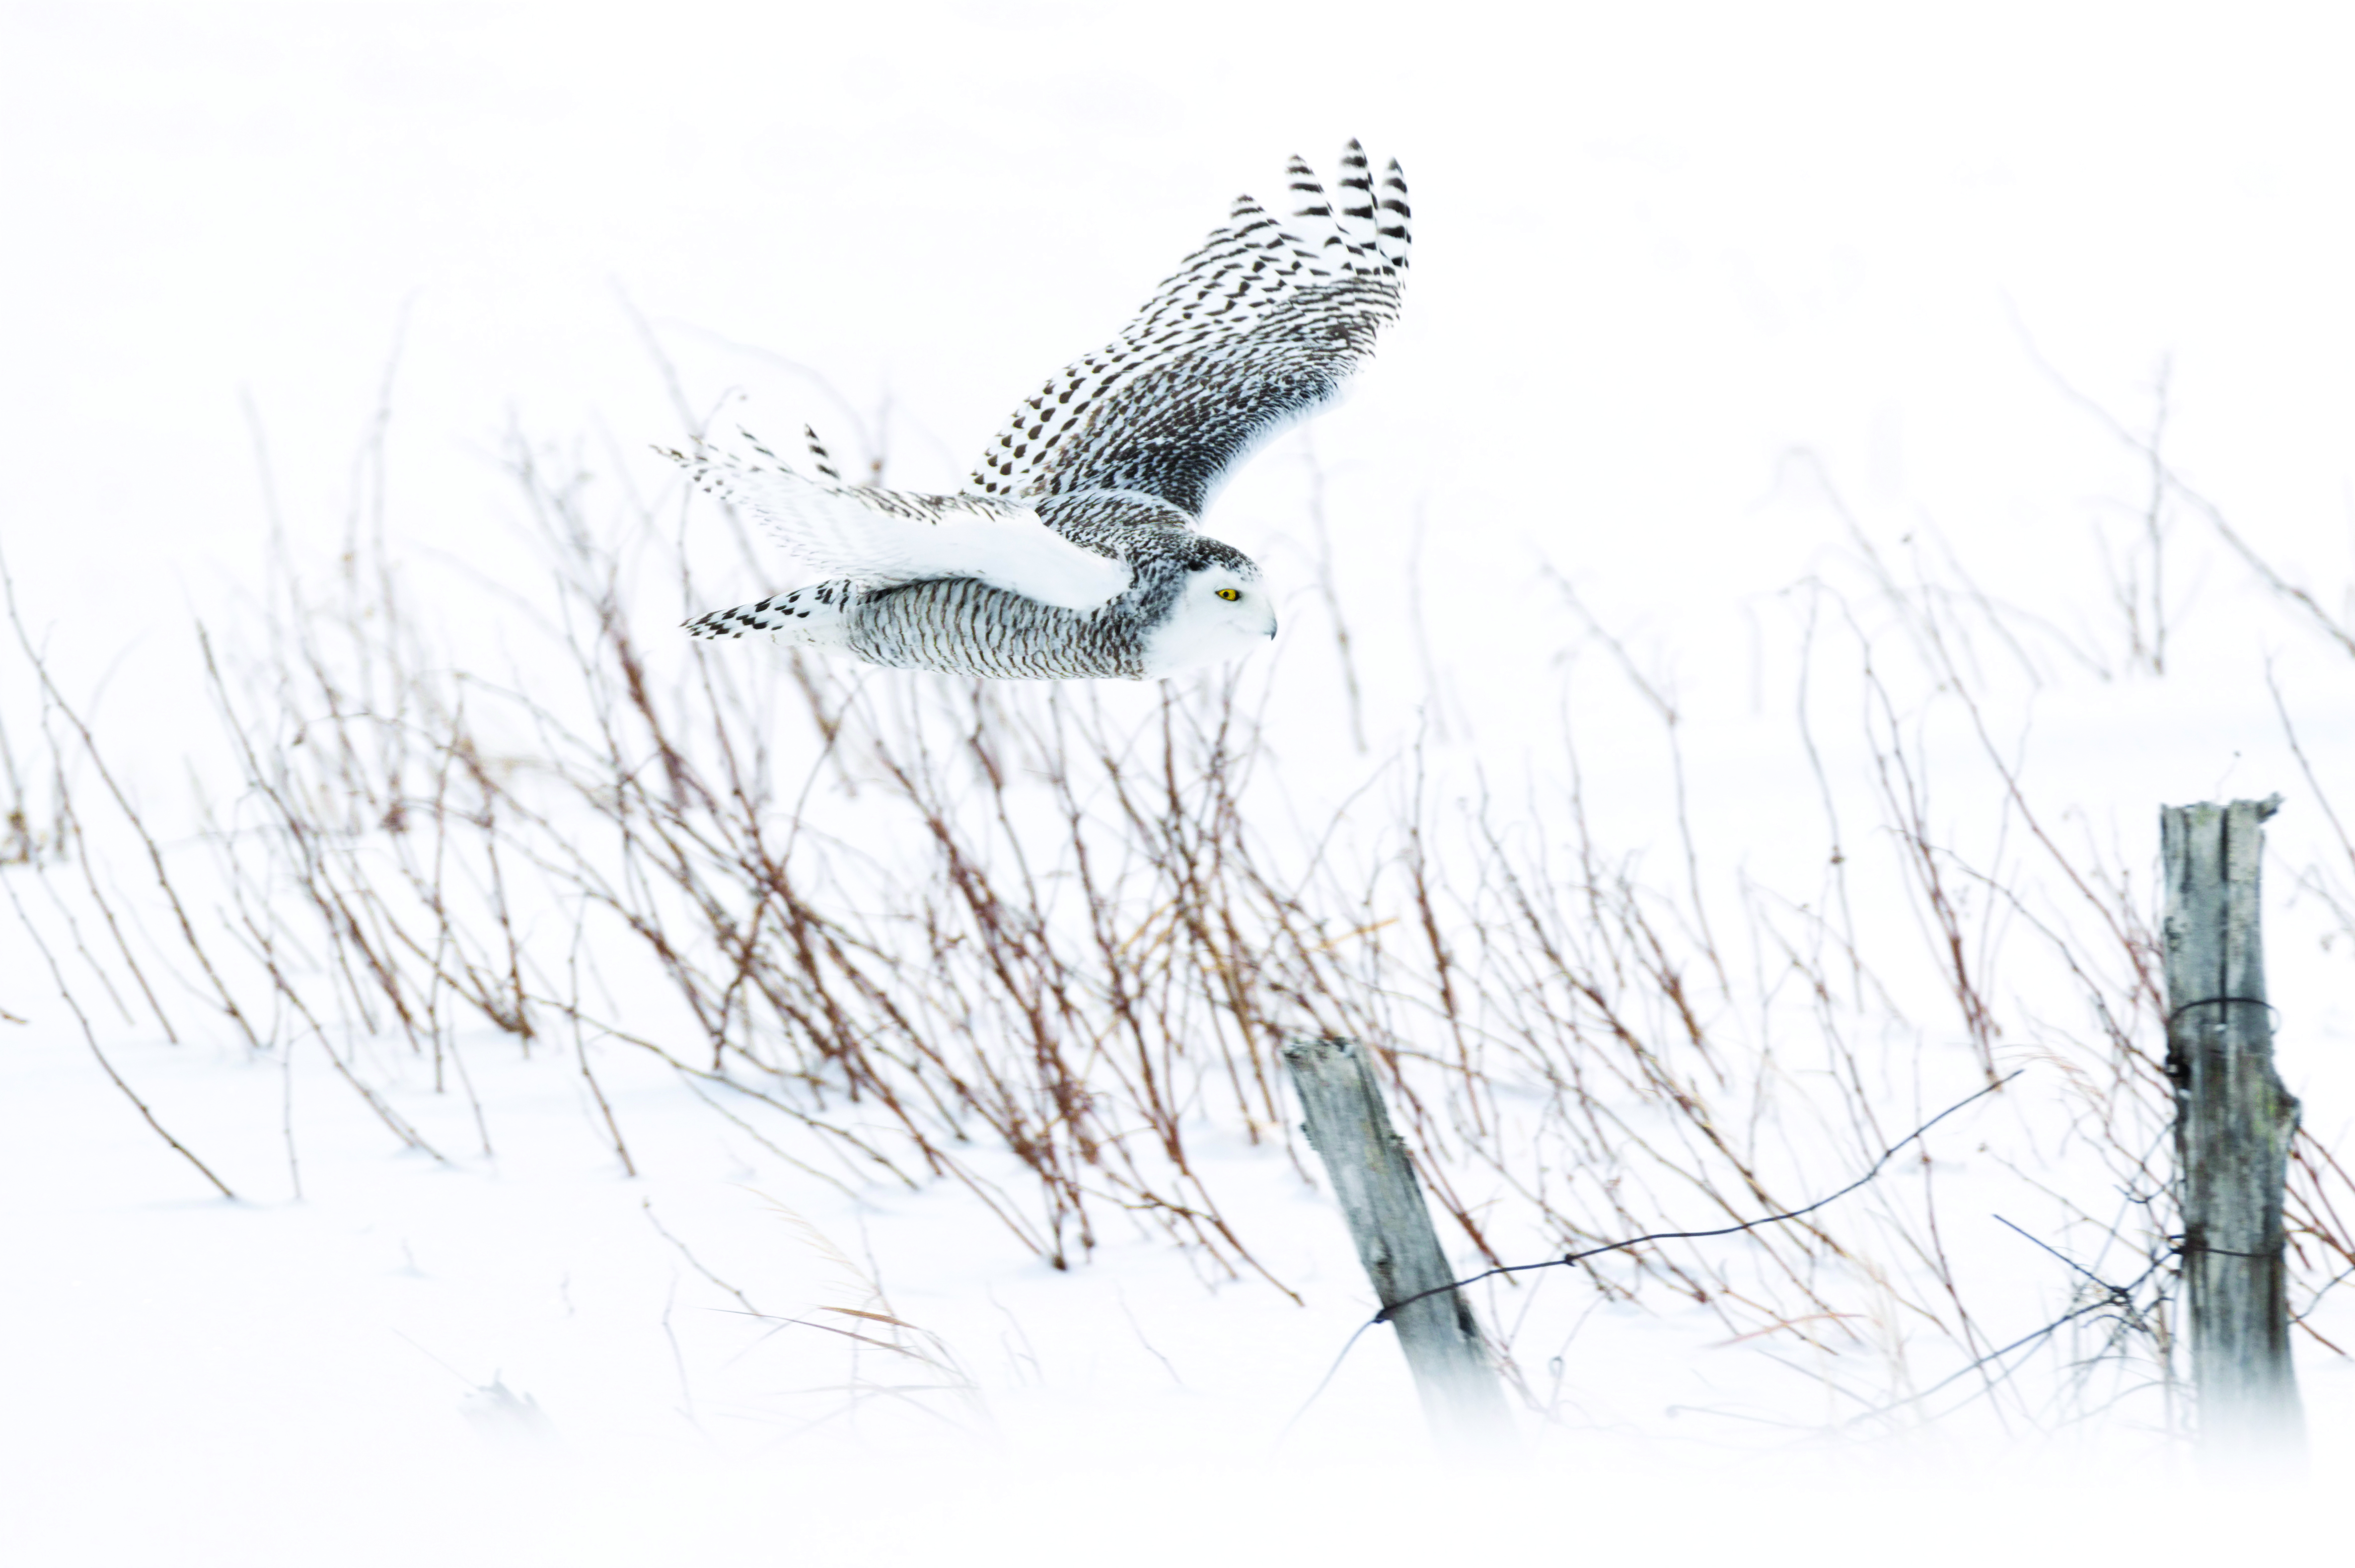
{"x": 818, "y": 616}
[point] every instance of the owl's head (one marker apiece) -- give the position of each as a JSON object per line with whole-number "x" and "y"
{"x": 1221, "y": 611}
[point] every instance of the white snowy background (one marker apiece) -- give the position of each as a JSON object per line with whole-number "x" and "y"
{"x": 1682, "y": 274}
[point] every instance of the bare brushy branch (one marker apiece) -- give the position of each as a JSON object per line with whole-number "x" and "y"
{"x": 913, "y": 926}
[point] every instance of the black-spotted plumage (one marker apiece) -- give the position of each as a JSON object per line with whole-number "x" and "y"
{"x": 1073, "y": 551}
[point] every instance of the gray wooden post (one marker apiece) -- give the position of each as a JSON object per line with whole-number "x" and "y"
{"x": 2233, "y": 1122}
{"x": 1350, "y": 1128}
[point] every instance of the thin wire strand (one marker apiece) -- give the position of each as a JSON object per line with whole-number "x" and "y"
{"x": 1572, "y": 1259}
{"x": 2117, "y": 1293}
{"x": 1326, "y": 1382}
{"x": 2213, "y": 1001}
{"x": 2317, "y": 1299}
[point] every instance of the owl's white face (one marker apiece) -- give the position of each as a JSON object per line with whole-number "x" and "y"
{"x": 1222, "y": 614}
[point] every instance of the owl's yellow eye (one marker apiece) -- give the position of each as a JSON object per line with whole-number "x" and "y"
{"x": 1229, "y": 594}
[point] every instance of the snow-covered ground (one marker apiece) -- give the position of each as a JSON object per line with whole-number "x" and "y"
{"x": 529, "y": 1358}
{"x": 1708, "y": 307}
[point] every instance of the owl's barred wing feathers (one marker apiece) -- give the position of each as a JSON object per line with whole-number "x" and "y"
{"x": 885, "y": 539}
{"x": 1258, "y": 329}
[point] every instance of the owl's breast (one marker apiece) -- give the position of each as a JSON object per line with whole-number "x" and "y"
{"x": 960, "y": 627}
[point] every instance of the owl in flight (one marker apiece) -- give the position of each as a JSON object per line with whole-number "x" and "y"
{"x": 1072, "y": 552}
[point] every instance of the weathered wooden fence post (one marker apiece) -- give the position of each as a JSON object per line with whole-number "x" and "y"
{"x": 2233, "y": 1122}
{"x": 1350, "y": 1128}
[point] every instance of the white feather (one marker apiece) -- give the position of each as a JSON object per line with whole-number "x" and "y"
{"x": 884, "y": 538}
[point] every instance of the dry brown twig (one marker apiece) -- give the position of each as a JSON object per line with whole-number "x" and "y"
{"x": 1037, "y": 941}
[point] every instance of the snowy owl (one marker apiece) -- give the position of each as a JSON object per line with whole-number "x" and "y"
{"x": 1072, "y": 553}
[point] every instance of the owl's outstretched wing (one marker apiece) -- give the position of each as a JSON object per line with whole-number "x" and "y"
{"x": 883, "y": 538}
{"x": 1260, "y": 328}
